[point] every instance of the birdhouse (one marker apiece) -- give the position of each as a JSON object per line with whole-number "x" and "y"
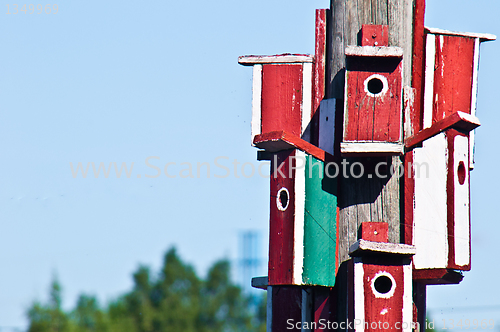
{"x": 282, "y": 93}
{"x": 373, "y": 96}
{"x": 441, "y": 204}
{"x": 380, "y": 281}
{"x": 303, "y": 216}
{"x": 451, "y": 72}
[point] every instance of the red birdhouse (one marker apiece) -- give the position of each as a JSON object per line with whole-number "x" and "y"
{"x": 282, "y": 93}
{"x": 380, "y": 282}
{"x": 373, "y": 95}
{"x": 452, "y": 63}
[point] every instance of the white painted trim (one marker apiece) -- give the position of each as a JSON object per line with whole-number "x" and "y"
{"x": 371, "y": 147}
{"x": 407, "y": 298}
{"x": 363, "y": 246}
{"x": 256, "y": 101}
{"x": 378, "y": 51}
{"x": 462, "y": 221}
{"x": 359, "y": 295}
{"x": 263, "y": 59}
{"x": 482, "y": 36}
{"x": 269, "y": 307}
{"x": 430, "y": 61}
{"x": 326, "y": 137}
{"x": 298, "y": 238}
{"x": 473, "y": 105}
{"x": 306, "y": 105}
{"x": 430, "y": 214}
{"x": 409, "y": 102}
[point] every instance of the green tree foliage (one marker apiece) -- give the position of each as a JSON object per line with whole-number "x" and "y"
{"x": 176, "y": 300}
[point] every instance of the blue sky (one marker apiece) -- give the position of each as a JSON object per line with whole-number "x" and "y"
{"x": 121, "y": 81}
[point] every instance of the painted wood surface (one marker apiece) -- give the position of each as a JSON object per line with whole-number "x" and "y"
{"x": 319, "y": 73}
{"x": 453, "y": 76}
{"x": 458, "y": 120}
{"x": 282, "y": 140}
{"x": 430, "y": 231}
{"x": 373, "y": 114}
{"x": 375, "y": 231}
{"x": 374, "y": 35}
{"x": 286, "y": 303}
{"x": 458, "y": 201}
{"x": 281, "y": 231}
{"x": 414, "y": 117}
{"x": 326, "y": 136}
{"x": 249, "y": 60}
{"x": 320, "y": 232}
{"x": 441, "y": 214}
{"x": 281, "y": 98}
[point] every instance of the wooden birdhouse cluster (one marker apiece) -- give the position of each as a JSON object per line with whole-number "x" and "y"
{"x": 346, "y": 247}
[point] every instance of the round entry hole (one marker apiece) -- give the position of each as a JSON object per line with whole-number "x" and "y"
{"x": 383, "y": 284}
{"x": 375, "y": 86}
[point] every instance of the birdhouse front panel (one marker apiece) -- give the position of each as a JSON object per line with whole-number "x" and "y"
{"x": 451, "y": 75}
{"x": 381, "y": 293}
{"x": 373, "y": 100}
{"x": 303, "y": 221}
{"x": 282, "y": 98}
{"x": 282, "y": 93}
{"x": 441, "y": 214}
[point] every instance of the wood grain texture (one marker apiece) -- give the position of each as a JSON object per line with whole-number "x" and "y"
{"x": 365, "y": 199}
{"x": 318, "y": 73}
{"x": 281, "y": 231}
{"x": 282, "y": 98}
{"x": 453, "y": 76}
{"x": 320, "y": 227}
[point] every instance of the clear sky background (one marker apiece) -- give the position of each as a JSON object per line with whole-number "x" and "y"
{"x": 121, "y": 81}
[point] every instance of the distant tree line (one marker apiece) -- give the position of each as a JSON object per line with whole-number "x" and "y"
{"x": 175, "y": 300}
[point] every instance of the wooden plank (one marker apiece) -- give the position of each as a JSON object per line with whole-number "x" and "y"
{"x": 281, "y": 232}
{"x": 459, "y": 201}
{"x": 362, "y": 247}
{"x": 474, "y": 99}
{"x": 282, "y": 140}
{"x": 482, "y": 36}
{"x": 430, "y": 230}
{"x": 355, "y": 203}
{"x": 320, "y": 228}
{"x": 286, "y": 304}
{"x": 375, "y": 231}
{"x": 299, "y": 222}
{"x": 458, "y": 120}
{"x": 326, "y": 119}
{"x": 430, "y": 61}
{"x": 282, "y": 98}
{"x": 319, "y": 59}
{"x": 375, "y": 35}
{"x": 249, "y": 60}
{"x": 437, "y": 276}
{"x": 307, "y": 95}
{"x": 383, "y": 304}
{"x": 453, "y": 76}
{"x": 256, "y": 101}
{"x": 415, "y": 117}
{"x": 374, "y": 51}
{"x": 371, "y": 149}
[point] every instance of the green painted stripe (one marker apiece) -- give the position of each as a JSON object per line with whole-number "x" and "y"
{"x": 320, "y": 225}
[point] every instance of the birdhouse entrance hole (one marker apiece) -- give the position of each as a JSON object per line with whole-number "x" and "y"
{"x": 375, "y": 86}
{"x": 461, "y": 173}
{"x": 282, "y": 199}
{"x": 383, "y": 284}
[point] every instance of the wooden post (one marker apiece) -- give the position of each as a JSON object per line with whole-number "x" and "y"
{"x": 369, "y": 198}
